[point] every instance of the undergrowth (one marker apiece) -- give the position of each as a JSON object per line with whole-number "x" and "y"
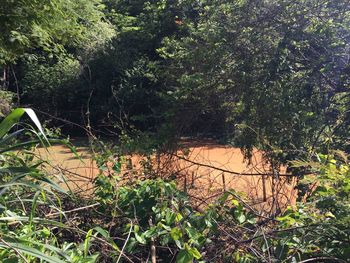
{"x": 151, "y": 220}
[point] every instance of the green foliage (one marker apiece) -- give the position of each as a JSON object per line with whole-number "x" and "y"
{"x": 275, "y": 71}
{"x": 51, "y": 26}
{"x": 119, "y": 80}
{"x": 26, "y": 194}
{"x": 325, "y": 216}
{"x": 154, "y": 215}
{"x": 267, "y": 74}
{"x": 157, "y": 212}
{"x": 54, "y": 82}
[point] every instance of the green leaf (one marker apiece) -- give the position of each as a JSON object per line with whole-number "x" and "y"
{"x": 102, "y": 231}
{"x": 34, "y": 206}
{"x": 7, "y": 139}
{"x": 176, "y": 233}
{"x": 10, "y": 121}
{"x": 140, "y": 238}
{"x": 106, "y": 235}
{"x": 117, "y": 167}
{"x": 194, "y": 252}
{"x": 13, "y": 118}
{"x": 184, "y": 257}
{"x": 178, "y": 217}
{"x": 150, "y": 232}
{"x": 170, "y": 217}
{"x": 23, "y": 248}
{"x": 11, "y": 260}
{"x": 191, "y": 232}
{"x": 241, "y": 218}
{"x": 87, "y": 242}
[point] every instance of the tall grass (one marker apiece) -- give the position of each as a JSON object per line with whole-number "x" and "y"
{"x": 30, "y": 199}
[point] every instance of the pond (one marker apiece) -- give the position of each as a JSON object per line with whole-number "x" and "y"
{"x": 203, "y": 169}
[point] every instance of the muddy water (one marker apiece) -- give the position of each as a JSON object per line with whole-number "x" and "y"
{"x": 76, "y": 173}
{"x": 204, "y": 170}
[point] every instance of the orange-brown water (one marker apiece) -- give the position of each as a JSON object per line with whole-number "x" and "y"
{"x": 206, "y": 170}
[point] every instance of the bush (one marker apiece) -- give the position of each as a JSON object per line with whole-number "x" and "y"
{"x": 31, "y": 211}
{"x": 151, "y": 218}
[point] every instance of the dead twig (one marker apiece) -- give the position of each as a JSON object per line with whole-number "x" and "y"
{"x": 228, "y": 171}
{"x": 126, "y": 241}
{"x": 71, "y": 211}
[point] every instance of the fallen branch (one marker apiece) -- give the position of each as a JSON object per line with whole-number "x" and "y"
{"x": 229, "y": 171}
{"x": 71, "y": 211}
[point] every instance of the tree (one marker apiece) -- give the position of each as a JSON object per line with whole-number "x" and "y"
{"x": 49, "y": 29}
{"x": 279, "y": 69}
{"x": 51, "y": 26}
